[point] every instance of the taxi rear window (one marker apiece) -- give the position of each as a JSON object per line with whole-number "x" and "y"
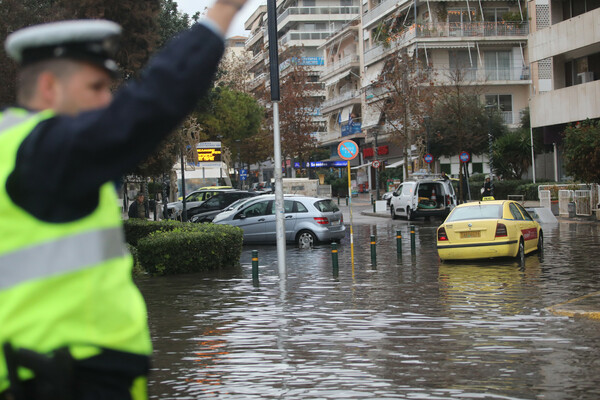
{"x": 487, "y": 211}
{"x": 326, "y": 206}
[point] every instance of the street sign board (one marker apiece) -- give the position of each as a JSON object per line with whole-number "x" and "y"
{"x": 428, "y": 158}
{"x": 375, "y": 164}
{"x": 243, "y": 174}
{"x": 347, "y": 150}
{"x": 464, "y": 157}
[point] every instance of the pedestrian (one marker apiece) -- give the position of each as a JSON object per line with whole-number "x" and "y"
{"x": 138, "y": 208}
{"x": 487, "y": 189}
{"x": 444, "y": 176}
{"x": 72, "y": 323}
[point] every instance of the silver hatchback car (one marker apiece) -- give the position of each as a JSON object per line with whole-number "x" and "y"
{"x": 308, "y": 220}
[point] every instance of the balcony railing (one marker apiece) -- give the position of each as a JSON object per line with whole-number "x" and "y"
{"x": 481, "y": 74}
{"x": 381, "y": 9}
{"x": 316, "y": 11}
{"x": 257, "y": 81}
{"x": 302, "y": 35}
{"x": 259, "y": 33}
{"x": 349, "y": 95}
{"x": 473, "y": 30}
{"x": 344, "y": 62}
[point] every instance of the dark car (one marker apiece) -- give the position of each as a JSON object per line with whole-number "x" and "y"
{"x": 206, "y": 211}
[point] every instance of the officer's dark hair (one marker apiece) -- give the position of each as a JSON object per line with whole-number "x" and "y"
{"x": 28, "y": 75}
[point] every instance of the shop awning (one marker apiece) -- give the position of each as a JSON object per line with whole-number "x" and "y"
{"x": 362, "y": 166}
{"x": 399, "y": 163}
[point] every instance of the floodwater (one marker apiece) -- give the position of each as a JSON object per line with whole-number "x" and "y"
{"x": 406, "y": 328}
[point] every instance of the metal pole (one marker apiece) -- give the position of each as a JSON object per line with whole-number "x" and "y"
{"x": 373, "y": 250}
{"x": 399, "y": 242}
{"x": 184, "y": 213}
{"x": 255, "y": 266}
{"x": 334, "y": 259}
{"x": 532, "y": 152}
{"x": 376, "y": 169}
{"x": 490, "y": 140}
{"x": 349, "y": 198}
{"x": 412, "y": 239}
{"x": 279, "y": 210}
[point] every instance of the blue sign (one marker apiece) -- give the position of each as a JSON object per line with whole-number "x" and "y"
{"x": 347, "y": 149}
{"x": 352, "y": 128}
{"x": 428, "y": 158}
{"x": 243, "y": 174}
{"x": 326, "y": 164}
{"x": 464, "y": 157}
{"x": 296, "y": 165}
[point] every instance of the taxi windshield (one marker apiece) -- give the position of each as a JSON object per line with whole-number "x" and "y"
{"x": 482, "y": 211}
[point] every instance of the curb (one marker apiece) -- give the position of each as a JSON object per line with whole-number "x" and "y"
{"x": 584, "y": 306}
{"x": 372, "y": 214}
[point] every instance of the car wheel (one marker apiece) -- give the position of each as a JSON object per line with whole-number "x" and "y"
{"x": 409, "y": 214}
{"x": 306, "y": 239}
{"x": 521, "y": 251}
{"x": 540, "y": 245}
{"x": 393, "y": 212}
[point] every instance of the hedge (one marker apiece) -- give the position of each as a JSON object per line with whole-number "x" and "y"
{"x": 503, "y": 188}
{"x": 170, "y": 247}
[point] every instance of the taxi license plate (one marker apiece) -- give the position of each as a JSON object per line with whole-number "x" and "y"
{"x": 467, "y": 235}
{"x": 335, "y": 222}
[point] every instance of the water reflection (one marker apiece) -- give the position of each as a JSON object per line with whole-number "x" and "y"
{"x": 410, "y": 328}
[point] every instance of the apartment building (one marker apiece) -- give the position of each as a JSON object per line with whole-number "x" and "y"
{"x": 564, "y": 49}
{"x": 485, "y": 40}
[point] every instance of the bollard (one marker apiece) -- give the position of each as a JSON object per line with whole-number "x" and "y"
{"x": 412, "y": 238}
{"x": 399, "y": 242}
{"x": 334, "y": 258}
{"x": 371, "y": 195}
{"x": 346, "y": 200}
{"x": 255, "y": 265}
{"x": 373, "y": 250}
{"x": 338, "y": 200}
{"x": 373, "y": 206}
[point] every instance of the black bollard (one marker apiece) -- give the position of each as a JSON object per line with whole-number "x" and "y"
{"x": 399, "y": 242}
{"x": 412, "y": 238}
{"x": 373, "y": 250}
{"x": 334, "y": 259}
{"x": 255, "y": 265}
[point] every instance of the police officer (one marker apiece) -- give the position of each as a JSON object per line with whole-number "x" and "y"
{"x": 72, "y": 323}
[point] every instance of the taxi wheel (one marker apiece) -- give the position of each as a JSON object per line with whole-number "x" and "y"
{"x": 393, "y": 211}
{"x": 540, "y": 245}
{"x": 521, "y": 252}
{"x": 409, "y": 214}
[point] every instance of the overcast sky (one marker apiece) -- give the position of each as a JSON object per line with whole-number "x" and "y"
{"x": 237, "y": 27}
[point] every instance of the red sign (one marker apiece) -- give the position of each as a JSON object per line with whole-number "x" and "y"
{"x": 381, "y": 150}
{"x": 375, "y": 164}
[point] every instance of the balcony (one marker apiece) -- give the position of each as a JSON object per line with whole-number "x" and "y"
{"x": 303, "y": 36}
{"x": 258, "y": 58}
{"x": 260, "y": 33}
{"x": 482, "y": 75}
{"x": 346, "y": 62}
{"x": 327, "y": 105}
{"x": 254, "y": 83}
{"x": 326, "y": 12}
{"x": 561, "y": 106}
{"x": 434, "y": 33}
{"x": 383, "y": 8}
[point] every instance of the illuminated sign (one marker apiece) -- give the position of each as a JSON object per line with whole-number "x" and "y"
{"x": 209, "y": 151}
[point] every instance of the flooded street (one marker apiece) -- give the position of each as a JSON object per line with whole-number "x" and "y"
{"x": 408, "y": 327}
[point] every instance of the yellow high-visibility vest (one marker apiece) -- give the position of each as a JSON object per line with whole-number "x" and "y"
{"x": 64, "y": 284}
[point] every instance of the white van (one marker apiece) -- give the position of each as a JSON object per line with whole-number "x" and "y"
{"x": 424, "y": 197}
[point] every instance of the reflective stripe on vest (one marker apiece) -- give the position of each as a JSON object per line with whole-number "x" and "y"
{"x": 12, "y": 118}
{"x": 63, "y": 255}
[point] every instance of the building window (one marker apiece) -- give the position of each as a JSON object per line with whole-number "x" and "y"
{"x": 461, "y": 60}
{"x": 503, "y": 103}
{"x": 477, "y": 167}
{"x": 447, "y": 168}
{"x": 308, "y": 3}
{"x": 494, "y": 14}
{"x": 497, "y": 65}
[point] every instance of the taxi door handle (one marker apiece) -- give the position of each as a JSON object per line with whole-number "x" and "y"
{"x": 261, "y": 220}
{"x": 289, "y": 216}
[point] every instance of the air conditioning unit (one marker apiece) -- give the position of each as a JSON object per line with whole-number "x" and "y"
{"x": 585, "y": 77}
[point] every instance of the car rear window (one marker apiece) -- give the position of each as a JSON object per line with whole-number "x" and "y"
{"x": 326, "y": 206}
{"x": 487, "y": 211}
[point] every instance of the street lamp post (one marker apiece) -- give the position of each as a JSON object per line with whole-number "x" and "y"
{"x": 376, "y": 157}
{"x": 490, "y": 110}
{"x": 427, "y": 120}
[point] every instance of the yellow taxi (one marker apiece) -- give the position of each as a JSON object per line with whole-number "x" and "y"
{"x": 488, "y": 229}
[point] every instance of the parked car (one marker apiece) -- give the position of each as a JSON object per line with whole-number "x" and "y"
{"x": 194, "y": 199}
{"x": 387, "y": 196}
{"x": 487, "y": 229}
{"x": 207, "y": 210}
{"x": 424, "y": 197}
{"x": 308, "y": 220}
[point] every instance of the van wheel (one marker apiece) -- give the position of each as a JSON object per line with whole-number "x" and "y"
{"x": 306, "y": 239}
{"x": 409, "y": 214}
{"x": 540, "y": 245}
{"x": 393, "y": 211}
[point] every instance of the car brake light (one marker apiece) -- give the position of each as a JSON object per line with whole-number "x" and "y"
{"x": 342, "y": 220}
{"x": 447, "y": 199}
{"x": 501, "y": 230}
{"x": 321, "y": 220}
{"x": 442, "y": 235}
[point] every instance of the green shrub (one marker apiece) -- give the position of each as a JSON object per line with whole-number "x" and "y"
{"x": 136, "y": 229}
{"x": 190, "y": 248}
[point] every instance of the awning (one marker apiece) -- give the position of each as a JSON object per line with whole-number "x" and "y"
{"x": 362, "y": 166}
{"x": 372, "y": 72}
{"x": 399, "y": 163}
{"x": 336, "y": 78}
{"x": 448, "y": 45}
{"x": 370, "y": 118}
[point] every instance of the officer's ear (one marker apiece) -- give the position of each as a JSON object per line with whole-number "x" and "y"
{"x": 48, "y": 89}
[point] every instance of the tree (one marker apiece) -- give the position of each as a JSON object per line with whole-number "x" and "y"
{"x": 295, "y": 108}
{"x": 581, "y": 143}
{"x": 407, "y": 98}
